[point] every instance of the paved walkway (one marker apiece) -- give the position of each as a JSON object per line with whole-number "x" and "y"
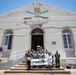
{"x": 7, "y": 65}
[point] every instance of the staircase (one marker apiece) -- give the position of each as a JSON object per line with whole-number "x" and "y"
{"x": 21, "y": 69}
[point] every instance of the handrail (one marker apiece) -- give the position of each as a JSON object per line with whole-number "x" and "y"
{"x": 17, "y": 55}
{"x": 18, "y": 52}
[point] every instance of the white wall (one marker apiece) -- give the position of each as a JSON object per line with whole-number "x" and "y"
{"x": 57, "y": 18}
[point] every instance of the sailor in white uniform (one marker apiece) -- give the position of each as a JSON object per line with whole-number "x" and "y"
{"x": 50, "y": 61}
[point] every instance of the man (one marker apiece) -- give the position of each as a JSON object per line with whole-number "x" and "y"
{"x": 57, "y": 59}
{"x": 34, "y": 55}
{"x": 50, "y": 61}
{"x": 46, "y": 54}
{"x": 1, "y": 51}
{"x": 41, "y": 49}
{"x": 41, "y": 55}
{"x": 28, "y": 58}
{"x": 38, "y": 52}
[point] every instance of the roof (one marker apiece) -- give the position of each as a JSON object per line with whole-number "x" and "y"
{"x": 53, "y": 11}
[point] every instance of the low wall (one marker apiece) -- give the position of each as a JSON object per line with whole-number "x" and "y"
{"x": 70, "y": 60}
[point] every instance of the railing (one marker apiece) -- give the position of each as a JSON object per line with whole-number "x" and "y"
{"x": 13, "y": 56}
{"x": 18, "y": 55}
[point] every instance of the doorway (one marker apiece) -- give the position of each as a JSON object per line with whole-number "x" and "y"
{"x": 37, "y": 36}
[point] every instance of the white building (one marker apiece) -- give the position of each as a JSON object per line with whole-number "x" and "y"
{"x": 38, "y": 24}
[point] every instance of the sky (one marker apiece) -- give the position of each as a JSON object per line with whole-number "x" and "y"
{"x": 10, "y": 5}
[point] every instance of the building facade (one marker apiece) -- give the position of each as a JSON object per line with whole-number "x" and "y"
{"x": 38, "y": 24}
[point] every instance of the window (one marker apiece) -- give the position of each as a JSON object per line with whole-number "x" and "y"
{"x": 53, "y": 42}
{"x": 67, "y": 39}
{"x": 8, "y": 40}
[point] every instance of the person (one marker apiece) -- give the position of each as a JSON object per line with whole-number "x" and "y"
{"x": 34, "y": 55}
{"x": 57, "y": 59}
{"x": 41, "y": 49}
{"x": 1, "y": 51}
{"x": 32, "y": 50}
{"x": 28, "y": 58}
{"x": 41, "y": 54}
{"x": 46, "y": 54}
{"x": 50, "y": 61}
{"x": 38, "y": 52}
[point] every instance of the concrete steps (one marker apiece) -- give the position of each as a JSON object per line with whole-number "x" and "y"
{"x": 22, "y": 64}
{"x": 33, "y": 69}
{"x": 39, "y": 71}
{"x": 21, "y": 69}
{"x": 32, "y": 74}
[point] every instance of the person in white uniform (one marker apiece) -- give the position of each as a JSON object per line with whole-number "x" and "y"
{"x": 50, "y": 61}
{"x": 46, "y": 55}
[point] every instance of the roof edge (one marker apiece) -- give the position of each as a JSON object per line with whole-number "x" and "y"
{"x": 23, "y": 8}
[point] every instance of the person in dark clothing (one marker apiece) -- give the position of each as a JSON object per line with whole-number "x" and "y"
{"x": 28, "y": 58}
{"x": 57, "y": 59}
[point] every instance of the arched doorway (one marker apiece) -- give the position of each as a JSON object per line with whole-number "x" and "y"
{"x": 37, "y": 36}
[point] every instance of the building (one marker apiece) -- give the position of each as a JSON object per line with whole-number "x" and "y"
{"x": 38, "y": 24}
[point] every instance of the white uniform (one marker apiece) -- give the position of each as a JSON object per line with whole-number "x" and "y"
{"x": 50, "y": 60}
{"x": 46, "y": 56}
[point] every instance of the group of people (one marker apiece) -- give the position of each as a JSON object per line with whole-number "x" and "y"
{"x": 39, "y": 54}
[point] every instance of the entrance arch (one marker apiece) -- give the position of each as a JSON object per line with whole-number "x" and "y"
{"x": 37, "y": 38}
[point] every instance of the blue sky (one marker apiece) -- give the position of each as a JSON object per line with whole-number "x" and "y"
{"x": 10, "y": 5}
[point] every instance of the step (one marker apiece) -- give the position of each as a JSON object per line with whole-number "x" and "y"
{"x": 22, "y": 64}
{"x": 25, "y": 68}
{"x": 18, "y": 69}
{"x": 39, "y": 71}
{"x": 24, "y": 61}
{"x": 37, "y": 68}
{"x": 15, "y": 74}
{"x": 47, "y": 68}
{"x": 33, "y": 74}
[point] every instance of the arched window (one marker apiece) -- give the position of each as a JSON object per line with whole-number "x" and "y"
{"x": 8, "y": 40}
{"x": 67, "y": 39}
